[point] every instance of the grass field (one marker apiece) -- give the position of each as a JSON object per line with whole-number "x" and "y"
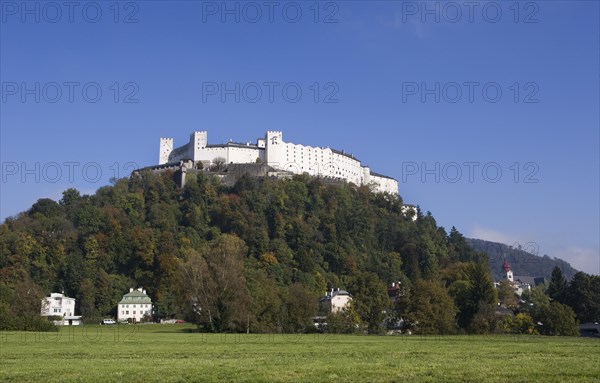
{"x": 170, "y": 353}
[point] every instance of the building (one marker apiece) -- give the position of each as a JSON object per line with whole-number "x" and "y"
{"x": 589, "y": 330}
{"x": 334, "y": 301}
{"x": 58, "y": 305}
{"x": 520, "y": 283}
{"x": 395, "y": 291}
{"x": 136, "y": 306}
{"x": 281, "y": 158}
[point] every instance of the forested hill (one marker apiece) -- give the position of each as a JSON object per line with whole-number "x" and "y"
{"x": 254, "y": 256}
{"x": 523, "y": 259}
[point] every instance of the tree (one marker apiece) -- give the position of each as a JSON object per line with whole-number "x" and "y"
{"x": 522, "y": 323}
{"x": 558, "y": 287}
{"x": 428, "y": 309}
{"x": 460, "y": 290}
{"x": 475, "y": 292}
{"x": 482, "y": 287}
{"x": 583, "y": 295}
{"x": 485, "y": 320}
{"x": 506, "y": 294}
{"x": 218, "y": 164}
{"x": 558, "y": 319}
{"x": 214, "y": 284}
{"x": 345, "y": 321}
{"x": 535, "y": 300}
{"x": 301, "y": 305}
{"x": 370, "y": 300}
{"x": 267, "y": 304}
{"x": 70, "y": 196}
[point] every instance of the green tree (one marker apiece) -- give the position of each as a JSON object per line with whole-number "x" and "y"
{"x": 370, "y": 300}
{"x": 346, "y": 321}
{"x": 583, "y": 295}
{"x": 300, "y": 306}
{"x": 506, "y": 294}
{"x": 428, "y": 309}
{"x": 214, "y": 285}
{"x": 522, "y": 323}
{"x": 485, "y": 320}
{"x": 558, "y": 319}
{"x": 558, "y": 287}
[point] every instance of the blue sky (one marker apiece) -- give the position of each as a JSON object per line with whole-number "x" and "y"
{"x": 488, "y": 116}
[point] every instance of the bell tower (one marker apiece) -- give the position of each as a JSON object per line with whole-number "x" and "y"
{"x": 507, "y": 270}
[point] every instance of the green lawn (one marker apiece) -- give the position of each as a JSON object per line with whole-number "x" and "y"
{"x": 167, "y": 353}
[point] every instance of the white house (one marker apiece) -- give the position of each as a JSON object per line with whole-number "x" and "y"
{"x": 58, "y": 305}
{"x": 334, "y": 301}
{"x": 134, "y": 306}
{"x": 284, "y": 157}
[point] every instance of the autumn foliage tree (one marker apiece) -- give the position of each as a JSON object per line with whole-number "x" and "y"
{"x": 214, "y": 285}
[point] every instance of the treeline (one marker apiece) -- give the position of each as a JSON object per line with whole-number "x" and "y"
{"x": 255, "y": 256}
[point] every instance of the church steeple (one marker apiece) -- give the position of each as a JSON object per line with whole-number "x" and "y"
{"x": 507, "y": 270}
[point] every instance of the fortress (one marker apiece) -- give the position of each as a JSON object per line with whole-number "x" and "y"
{"x": 281, "y": 159}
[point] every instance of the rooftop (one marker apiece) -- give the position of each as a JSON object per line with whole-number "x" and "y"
{"x": 135, "y": 296}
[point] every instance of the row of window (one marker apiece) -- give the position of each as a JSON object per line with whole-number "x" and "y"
{"x": 141, "y": 306}
{"x": 126, "y": 312}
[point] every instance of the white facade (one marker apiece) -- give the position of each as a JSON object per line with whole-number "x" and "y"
{"x": 280, "y": 155}
{"x": 58, "y": 305}
{"x": 335, "y": 301}
{"x": 134, "y": 306}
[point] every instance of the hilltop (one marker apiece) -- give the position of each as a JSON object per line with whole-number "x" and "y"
{"x": 522, "y": 260}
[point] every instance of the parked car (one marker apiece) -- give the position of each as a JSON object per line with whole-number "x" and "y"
{"x": 179, "y": 321}
{"x": 108, "y": 321}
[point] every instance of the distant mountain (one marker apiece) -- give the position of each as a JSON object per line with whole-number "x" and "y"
{"x": 524, "y": 260}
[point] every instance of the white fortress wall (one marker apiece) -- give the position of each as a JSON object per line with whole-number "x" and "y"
{"x": 281, "y": 155}
{"x": 209, "y": 153}
{"x": 385, "y": 184}
{"x": 241, "y": 155}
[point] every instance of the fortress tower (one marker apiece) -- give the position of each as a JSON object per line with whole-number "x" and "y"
{"x": 198, "y": 141}
{"x": 275, "y": 148}
{"x": 166, "y": 147}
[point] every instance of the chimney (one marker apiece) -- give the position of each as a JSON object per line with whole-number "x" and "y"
{"x": 131, "y": 289}
{"x": 144, "y": 291}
